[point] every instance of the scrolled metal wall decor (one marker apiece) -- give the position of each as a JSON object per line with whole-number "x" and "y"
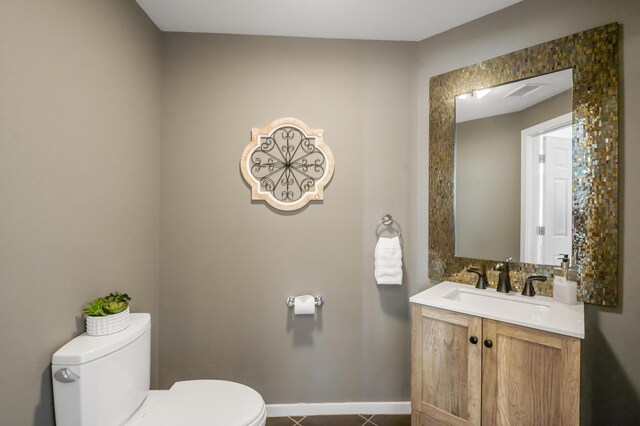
{"x": 287, "y": 164}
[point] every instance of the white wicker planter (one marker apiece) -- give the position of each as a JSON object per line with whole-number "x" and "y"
{"x": 99, "y": 326}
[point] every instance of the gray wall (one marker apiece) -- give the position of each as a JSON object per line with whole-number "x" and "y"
{"x": 487, "y": 222}
{"x": 610, "y": 367}
{"x": 79, "y": 182}
{"x": 488, "y": 185}
{"x": 227, "y": 263}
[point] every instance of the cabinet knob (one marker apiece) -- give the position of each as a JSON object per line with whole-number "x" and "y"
{"x": 488, "y": 343}
{"x": 473, "y": 339}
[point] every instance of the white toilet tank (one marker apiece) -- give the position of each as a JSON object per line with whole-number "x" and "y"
{"x": 102, "y": 380}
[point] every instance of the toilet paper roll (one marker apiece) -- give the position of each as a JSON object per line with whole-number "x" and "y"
{"x": 305, "y": 305}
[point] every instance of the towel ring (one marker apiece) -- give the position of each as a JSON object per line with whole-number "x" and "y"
{"x": 388, "y": 221}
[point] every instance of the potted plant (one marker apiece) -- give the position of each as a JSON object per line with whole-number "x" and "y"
{"x": 108, "y": 314}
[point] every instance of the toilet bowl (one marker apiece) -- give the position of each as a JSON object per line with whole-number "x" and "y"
{"x": 200, "y": 402}
{"x": 104, "y": 381}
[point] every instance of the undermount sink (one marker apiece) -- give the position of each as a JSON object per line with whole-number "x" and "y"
{"x": 539, "y": 312}
{"x": 499, "y": 301}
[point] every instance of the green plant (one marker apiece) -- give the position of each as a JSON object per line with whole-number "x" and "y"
{"x": 108, "y": 305}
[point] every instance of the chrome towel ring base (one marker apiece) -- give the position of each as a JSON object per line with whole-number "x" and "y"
{"x": 388, "y": 220}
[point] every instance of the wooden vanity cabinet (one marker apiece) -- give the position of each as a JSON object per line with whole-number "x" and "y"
{"x": 467, "y": 370}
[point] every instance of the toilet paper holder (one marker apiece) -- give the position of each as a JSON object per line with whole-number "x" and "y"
{"x": 291, "y": 300}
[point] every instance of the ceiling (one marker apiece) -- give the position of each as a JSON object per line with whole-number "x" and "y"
{"x": 405, "y": 20}
{"x": 495, "y": 102}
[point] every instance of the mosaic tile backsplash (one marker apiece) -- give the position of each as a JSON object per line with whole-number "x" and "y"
{"x": 593, "y": 56}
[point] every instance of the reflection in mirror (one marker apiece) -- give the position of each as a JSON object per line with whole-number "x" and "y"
{"x": 513, "y": 169}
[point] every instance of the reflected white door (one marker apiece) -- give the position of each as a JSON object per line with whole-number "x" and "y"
{"x": 546, "y": 193}
{"x": 557, "y": 199}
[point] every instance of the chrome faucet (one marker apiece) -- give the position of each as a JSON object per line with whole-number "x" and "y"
{"x": 504, "y": 282}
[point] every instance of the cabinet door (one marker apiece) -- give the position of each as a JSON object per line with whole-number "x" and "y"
{"x": 529, "y": 377}
{"x": 446, "y": 367}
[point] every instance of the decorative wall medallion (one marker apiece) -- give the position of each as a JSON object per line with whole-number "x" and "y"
{"x": 287, "y": 164}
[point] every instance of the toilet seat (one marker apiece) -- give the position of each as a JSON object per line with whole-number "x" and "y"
{"x": 204, "y": 402}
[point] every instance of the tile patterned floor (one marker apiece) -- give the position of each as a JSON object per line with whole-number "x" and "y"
{"x": 351, "y": 420}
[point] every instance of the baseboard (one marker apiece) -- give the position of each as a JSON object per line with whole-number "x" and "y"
{"x": 337, "y": 408}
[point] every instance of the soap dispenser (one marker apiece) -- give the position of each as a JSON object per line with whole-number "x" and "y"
{"x": 565, "y": 286}
{"x": 560, "y": 272}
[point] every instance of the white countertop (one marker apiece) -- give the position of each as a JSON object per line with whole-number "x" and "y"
{"x": 540, "y": 312}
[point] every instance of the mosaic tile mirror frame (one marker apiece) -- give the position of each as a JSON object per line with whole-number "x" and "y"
{"x": 593, "y": 57}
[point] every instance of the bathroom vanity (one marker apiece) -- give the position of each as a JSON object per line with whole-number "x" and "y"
{"x": 481, "y": 357}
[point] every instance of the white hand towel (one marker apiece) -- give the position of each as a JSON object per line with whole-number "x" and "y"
{"x": 388, "y": 261}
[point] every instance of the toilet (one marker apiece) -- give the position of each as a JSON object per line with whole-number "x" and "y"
{"x": 104, "y": 381}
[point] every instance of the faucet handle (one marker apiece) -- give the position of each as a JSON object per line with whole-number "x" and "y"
{"x": 528, "y": 289}
{"x": 507, "y": 262}
{"x": 482, "y": 277}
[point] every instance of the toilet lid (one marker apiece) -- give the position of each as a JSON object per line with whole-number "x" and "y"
{"x": 207, "y": 402}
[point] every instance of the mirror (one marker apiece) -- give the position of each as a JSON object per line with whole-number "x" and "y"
{"x": 513, "y": 170}
{"x": 592, "y": 58}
